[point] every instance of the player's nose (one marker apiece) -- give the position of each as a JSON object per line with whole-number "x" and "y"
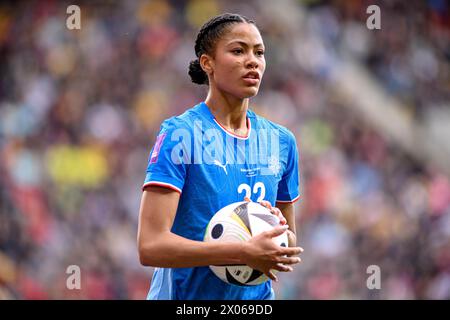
{"x": 252, "y": 62}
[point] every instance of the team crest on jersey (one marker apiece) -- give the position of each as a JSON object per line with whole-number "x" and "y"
{"x": 274, "y": 165}
{"x": 157, "y": 148}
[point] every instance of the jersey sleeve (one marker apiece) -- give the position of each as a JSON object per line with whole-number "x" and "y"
{"x": 167, "y": 160}
{"x": 288, "y": 187}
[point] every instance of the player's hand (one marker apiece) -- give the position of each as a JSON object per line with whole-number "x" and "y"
{"x": 274, "y": 210}
{"x": 263, "y": 254}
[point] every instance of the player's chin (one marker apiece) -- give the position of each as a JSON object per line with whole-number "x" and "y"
{"x": 249, "y": 92}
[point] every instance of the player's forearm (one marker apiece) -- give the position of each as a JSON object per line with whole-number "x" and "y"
{"x": 172, "y": 251}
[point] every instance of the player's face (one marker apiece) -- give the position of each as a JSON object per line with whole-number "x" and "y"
{"x": 238, "y": 64}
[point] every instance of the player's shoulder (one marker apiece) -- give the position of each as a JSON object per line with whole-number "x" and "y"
{"x": 184, "y": 120}
{"x": 264, "y": 123}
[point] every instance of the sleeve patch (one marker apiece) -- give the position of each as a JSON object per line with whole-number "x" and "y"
{"x": 157, "y": 148}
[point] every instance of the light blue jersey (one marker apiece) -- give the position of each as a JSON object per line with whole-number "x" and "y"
{"x": 211, "y": 167}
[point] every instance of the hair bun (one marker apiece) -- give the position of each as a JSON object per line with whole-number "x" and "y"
{"x": 196, "y": 72}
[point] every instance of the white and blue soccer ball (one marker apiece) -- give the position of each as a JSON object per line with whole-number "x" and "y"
{"x": 237, "y": 222}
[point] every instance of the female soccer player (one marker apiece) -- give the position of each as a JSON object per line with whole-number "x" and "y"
{"x": 216, "y": 153}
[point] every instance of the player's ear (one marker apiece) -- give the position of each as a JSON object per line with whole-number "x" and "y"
{"x": 207, "y": 63}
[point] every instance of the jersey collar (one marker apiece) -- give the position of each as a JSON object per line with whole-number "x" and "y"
{"x": 205, "y": 110}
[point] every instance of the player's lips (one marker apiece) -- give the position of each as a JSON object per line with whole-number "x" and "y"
{"x": 251, "y": 78}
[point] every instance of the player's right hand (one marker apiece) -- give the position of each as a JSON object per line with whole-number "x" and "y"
{"x": 263, "y": 254}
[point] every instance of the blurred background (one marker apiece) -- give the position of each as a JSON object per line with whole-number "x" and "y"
{"x": 79, "y": 111}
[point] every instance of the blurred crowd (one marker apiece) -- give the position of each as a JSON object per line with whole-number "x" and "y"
{"x": 80, "y": 109}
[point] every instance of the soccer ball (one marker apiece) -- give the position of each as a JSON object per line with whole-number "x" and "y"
{"x": 236, "y": 222}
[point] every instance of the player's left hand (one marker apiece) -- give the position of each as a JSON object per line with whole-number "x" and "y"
{"x": 292, "y": 238}
{"x": 273, "y": 210}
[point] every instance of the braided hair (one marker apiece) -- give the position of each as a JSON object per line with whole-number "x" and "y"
{"x": 207, "y": 37}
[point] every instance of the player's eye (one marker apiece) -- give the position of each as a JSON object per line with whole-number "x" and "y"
{"x": 237, "y": 51}
{"x": 260, "y": 53}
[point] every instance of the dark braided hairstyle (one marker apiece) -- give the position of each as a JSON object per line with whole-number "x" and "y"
{"x": 207, "y": 37}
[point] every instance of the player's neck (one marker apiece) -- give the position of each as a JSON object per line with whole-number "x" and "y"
{"x": 229, "y": 112}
